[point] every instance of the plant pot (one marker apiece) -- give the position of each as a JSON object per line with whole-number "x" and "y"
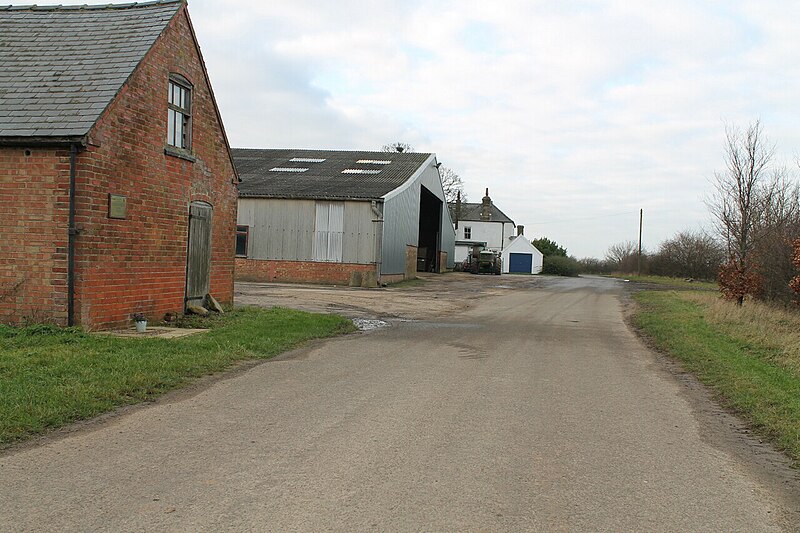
{"x": 141, "y": 326}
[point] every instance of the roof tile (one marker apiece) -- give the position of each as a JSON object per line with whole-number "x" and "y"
{"x": 472, "y": 213}
{"x": 322, "y": 180}
{"x": 63, "y": 62}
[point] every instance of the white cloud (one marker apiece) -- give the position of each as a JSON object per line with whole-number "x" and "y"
{"x": 574, "y": 114}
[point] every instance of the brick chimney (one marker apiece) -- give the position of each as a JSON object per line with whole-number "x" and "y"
{"x": 458, "y": 208}
{"x": 486, "y": 208}
{"x": 520, "y": 230}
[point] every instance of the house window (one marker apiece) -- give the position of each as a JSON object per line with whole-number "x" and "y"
{"x": 179, "y": 116}
{"x": 329, "y": 231}
{"x": 467, "y": 232}
{"x": 242, "y": 233}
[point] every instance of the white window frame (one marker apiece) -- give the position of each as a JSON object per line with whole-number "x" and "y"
{"x": 179, "y": 113}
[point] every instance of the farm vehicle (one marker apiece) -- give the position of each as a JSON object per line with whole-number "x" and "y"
{"x": 482, "y": 261}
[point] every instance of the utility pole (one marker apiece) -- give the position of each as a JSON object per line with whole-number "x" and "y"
{"x": 639, "y": 257}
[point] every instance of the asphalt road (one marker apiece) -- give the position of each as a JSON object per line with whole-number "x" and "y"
{"x": 533, "y": 409}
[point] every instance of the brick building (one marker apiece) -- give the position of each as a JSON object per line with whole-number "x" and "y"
{"x": 117, "y": 187}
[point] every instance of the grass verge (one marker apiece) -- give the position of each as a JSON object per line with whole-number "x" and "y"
{"x": 753, "y": 368}
{"x": 50, "y": 376}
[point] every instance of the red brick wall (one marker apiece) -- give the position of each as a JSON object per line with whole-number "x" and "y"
{"x": 411, "y": 262}
{"x": 442, "y": 262}
{"x": 137, "y": 264}
{"x": 34, "y": 196}
{"x": 302, "y": 271}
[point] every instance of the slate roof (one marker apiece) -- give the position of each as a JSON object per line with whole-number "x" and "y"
{"x": 323, "y": 180}
{"x": 60, "y": 66}
{"x": 472, "y": 213}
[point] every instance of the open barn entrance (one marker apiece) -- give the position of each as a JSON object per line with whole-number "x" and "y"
{"x": 430, "y": 222}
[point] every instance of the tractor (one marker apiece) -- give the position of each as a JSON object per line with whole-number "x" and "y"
{"x": 482, "y": 261}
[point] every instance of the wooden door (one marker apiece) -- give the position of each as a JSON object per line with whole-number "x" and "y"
{"x": 198, "y": 261}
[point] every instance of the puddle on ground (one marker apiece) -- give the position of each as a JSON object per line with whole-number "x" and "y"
{"x": 367, "y": 324}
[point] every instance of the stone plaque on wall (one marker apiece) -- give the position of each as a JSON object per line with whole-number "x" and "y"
{"x": 117, "y": 206}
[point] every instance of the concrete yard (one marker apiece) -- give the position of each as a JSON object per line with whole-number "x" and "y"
{"x": 487, "y": 404}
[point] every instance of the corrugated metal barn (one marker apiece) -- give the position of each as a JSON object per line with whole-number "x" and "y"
{"x": 350, "y": 218}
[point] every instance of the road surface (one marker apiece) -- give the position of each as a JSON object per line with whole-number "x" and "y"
{"x": 531, "y": 408}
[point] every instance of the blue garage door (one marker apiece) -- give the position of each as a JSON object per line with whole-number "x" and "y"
{"x": 520, "y": 263}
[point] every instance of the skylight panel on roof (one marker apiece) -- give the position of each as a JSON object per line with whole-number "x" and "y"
{"x": 306, "y": 160}
{"x": 360, "y": 171}
{"x": 287, "y": 169}
{"x": 374, "y": 161}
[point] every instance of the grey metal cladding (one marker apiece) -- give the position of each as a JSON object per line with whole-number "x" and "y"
{"x": 322, "y": 180}
{"x": 63, "y": 65}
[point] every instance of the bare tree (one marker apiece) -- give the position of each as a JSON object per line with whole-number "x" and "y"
{"x": 397, "y": 146}
{"x": 623, "y": 256}
{"x": 777, "y": 229}
{"x": 452, "y": 185}
{"x": 739, "y": 201}
{"x": 688, "y": 255}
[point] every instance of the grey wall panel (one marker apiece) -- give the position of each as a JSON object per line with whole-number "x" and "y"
{"x": 279, "y": 229}
{"x": 400, "y": 228}
{"x": 433, "y": 182}
{"x": 401, "y": 219}
{"x": 359, "y": 233}
{"x": 283, "y": 229}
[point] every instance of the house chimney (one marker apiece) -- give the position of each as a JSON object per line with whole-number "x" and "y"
{"x": 486, "y": 208}
{"x": 520, "y": 230}
{"x": 458, "y": 208}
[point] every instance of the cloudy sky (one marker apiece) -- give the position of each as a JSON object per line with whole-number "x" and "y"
{"x": 575, "y": 114}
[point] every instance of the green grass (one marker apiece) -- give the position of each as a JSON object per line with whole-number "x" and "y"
{"x": 677, "y": 283}
{"x": 752, "y": 374}
{"x": 50, "y": 377}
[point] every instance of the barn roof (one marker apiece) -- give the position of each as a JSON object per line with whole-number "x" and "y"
{"x": 61, "y": 66}
{"x": 472, "y": 213}
{"x": 323, "y": 174}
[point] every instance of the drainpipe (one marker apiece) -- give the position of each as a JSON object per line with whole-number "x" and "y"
{"x": 378, "y": 239}
{"x": 72, "y": 232}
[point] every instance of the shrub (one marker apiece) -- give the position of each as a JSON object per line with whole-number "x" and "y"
{"x": 590, "y": 265}
{"x": 560, "y": 266}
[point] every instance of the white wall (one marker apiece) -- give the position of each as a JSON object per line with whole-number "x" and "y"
{"x": 494, "y": 234}
{"x": 461, "y": 253}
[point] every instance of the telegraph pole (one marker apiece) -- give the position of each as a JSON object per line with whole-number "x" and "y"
{"x": 639, "y": 258}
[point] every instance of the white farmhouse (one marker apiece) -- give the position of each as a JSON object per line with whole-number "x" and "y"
{"x": 482, "y": 224}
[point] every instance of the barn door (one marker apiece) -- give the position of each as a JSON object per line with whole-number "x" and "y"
{"x": 198, "y": 262}
{"x": 329, "y": 231}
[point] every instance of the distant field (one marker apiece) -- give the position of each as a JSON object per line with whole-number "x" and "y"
{"x": 749, "y": 355}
